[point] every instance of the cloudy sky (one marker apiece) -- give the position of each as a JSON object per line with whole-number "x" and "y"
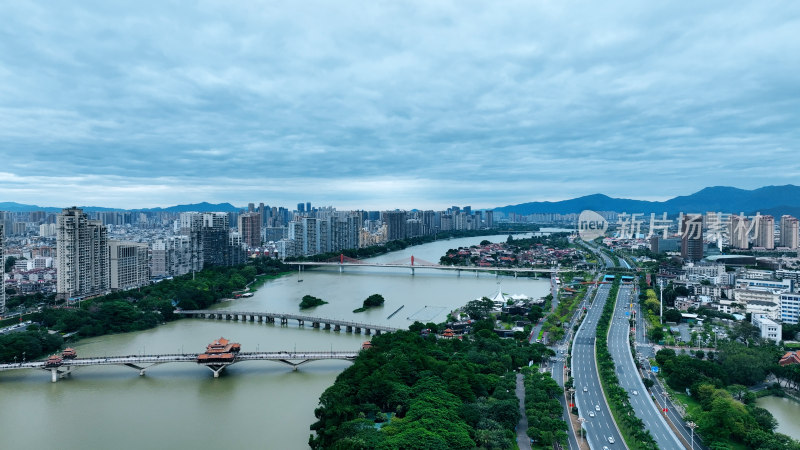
{"x": 389, "y": 104}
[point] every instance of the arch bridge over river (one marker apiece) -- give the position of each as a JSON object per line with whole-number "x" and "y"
{"x": 144, "y": 362}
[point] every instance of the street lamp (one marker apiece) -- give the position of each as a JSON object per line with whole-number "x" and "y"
{"x": 571, "y": 397}
{"x": 581, "y": 420}
{"x": 692, "y": 426}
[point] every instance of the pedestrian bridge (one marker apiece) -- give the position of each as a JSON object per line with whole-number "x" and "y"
{"x": 144, "y": 362}
{"x": 267, "y": 317}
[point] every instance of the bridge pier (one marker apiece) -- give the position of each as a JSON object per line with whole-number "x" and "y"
{"x": 358, "y": 330}
{"x": 217, "y": 369}
{"x": 377, "y": 332}
{"x": 349, "y": 329}
{"x": 367, "y": 331}
{"x": 53, "y": 375}
{"x": 337, "y": 327}
{"x": 341, "y": 269}
{"x": 412, "y": 271}
{"x": 327, "y": 326}
{"x": 315, "y": 324}
{"x": 301, "y": 323}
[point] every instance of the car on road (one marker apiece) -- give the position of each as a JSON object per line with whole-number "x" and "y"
{"x": 597, "y": 407}
{"x": 585, "y": 389}
{"x": 635, "y": 392}
{"x": 605, "y": 447}
{"x": 591, "y": 413}
{"x": 610, "y": 440}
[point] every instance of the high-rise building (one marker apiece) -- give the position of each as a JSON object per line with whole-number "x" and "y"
{"x": 692, "y": 237}
{"x": 214, "y": 236}
{"x": 490, "y": 219}
{"x": 129, "y": 268}
{"x": 82, "y": 255}
{"x": 308, "y": 207}
{"x": 740, "y": 232}
{"x": 250, "y": 229}
{"x": 172, "y": 257}
{"x": 789, "y": 230}
{"x": 395, "y": 224}
{"x": 2, "y": 273}
{"x": 765, "y": 236}
{"x": 301, "y": 207}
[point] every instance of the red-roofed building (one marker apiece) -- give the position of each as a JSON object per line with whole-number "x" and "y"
{"x": 790, "y": 358}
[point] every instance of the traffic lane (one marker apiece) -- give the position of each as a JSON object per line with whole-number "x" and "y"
{"x": 601, "y": 426}
{"x": 629, "y": 378}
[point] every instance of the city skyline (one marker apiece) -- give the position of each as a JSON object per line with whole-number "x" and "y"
{"x": 366, "y": 105}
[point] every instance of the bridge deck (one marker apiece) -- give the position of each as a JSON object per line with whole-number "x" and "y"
{"x": 431, "y": 266}
{"x": 301, "y": 317}
{"x": 185, "y": 357}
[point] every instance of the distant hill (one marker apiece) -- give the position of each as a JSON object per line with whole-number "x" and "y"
{"x": 199, "y": 207}
{"x": 775, "y": 200}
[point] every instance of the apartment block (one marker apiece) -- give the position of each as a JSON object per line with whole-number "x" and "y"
{"x": 129, "y": 265}
{"x": 82, "y": 255}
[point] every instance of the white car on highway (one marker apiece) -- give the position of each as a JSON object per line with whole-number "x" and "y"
{"x": 597, "y": 407}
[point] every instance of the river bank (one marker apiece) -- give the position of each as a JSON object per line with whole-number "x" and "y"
{"x": 786, "y": 411}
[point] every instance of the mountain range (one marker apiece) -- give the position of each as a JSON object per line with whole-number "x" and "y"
{"x": 199, "y": 207}
{"x": 774, "y": 200}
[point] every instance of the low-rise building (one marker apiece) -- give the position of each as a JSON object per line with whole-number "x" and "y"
{"x": 769, "y": 329}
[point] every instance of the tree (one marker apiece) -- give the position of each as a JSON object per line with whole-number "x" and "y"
{"x": 9, "y": 263}
{"x": 479, "y": 309}
{"x": 672, "y": 315}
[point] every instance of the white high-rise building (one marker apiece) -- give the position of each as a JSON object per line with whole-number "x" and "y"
{"x": 129, "y": 266}
{"x": 740, "y": 232}
{"x": 82, "y": 255}
{"x": 172, "y": 257}
{"x": 789, "y": 229}
{"x": 765, "y": 237}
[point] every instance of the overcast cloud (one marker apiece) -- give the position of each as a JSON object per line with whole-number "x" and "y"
{"x": 381, "y": 104}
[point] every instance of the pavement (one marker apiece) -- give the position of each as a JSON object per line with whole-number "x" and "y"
{"x": 523, "y": 441}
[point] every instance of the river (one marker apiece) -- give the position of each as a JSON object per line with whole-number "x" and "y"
{"x": 786, "y": 411}
{"x": 256, "y": 404}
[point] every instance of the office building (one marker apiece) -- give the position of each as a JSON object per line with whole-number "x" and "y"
{"x": 250, "y": 229}
{"x": 789, "y": 230}
{"x": 82, "y": 255}
{"x": 765, "y": 233}
{"x": 128, "y": 263}
{"x": 790, "y": 307}
{"x": 692, "y": 237}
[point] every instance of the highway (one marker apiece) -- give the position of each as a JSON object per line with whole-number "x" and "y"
{"x": 629, "y": 379}
{"x": 589, "y": 396}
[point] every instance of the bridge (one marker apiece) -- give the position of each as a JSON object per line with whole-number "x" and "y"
{"x": 144, "y": 362}
{"x": 413, "y": 263}
{"x": 267, "y": 317}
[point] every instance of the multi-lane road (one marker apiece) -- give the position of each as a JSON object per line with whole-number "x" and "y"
{"x": 600, "y": 428}
{"x": 628, "y": 375}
